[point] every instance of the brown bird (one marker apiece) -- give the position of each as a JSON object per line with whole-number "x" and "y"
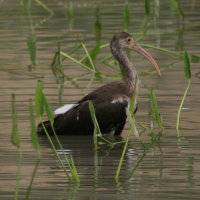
{"x": 110, "y": 101}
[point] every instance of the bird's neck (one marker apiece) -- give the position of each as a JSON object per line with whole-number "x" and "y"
{"x": 130, "y": 70}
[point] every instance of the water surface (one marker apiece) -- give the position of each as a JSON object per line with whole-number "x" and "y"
{"x": 28, "y": 41}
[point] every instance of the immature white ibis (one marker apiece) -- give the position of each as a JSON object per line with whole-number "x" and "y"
{"x": 110, "y": 101}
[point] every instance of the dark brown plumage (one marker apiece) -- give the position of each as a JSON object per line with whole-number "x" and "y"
{"x": 110, "y": 101}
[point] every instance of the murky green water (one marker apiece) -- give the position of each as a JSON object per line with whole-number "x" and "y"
{"x": 28, "y": 41}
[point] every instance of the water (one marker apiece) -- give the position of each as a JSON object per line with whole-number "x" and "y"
{"x": 30, "y": 36}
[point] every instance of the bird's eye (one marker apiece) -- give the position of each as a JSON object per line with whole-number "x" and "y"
{"x": 129, "y": 39}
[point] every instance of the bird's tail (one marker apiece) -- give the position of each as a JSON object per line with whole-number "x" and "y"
{"x": 46, "y": 125}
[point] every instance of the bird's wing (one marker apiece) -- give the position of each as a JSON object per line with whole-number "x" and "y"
{"x": 64, "y": 109}
{"x": 78, "y": 119}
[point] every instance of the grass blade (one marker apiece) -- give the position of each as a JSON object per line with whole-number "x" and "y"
{"x": 39, "y": 99}
{"x": 89, "y": 57}
{"x": 137, "y": 164}
{"x": 126, "y": 16}
{"x": 147, "y": 7}
{"x": 34, "y": 135}
{"x": 98, "y": 26}
{"x": 44, "y": 6}
{"x": 97, "y": 130}
{"x": 187, "y": 66}
{"x": 188, "y": 77}
{"x": 76, "y": 61}
{"x": 15, "y": 139}
{"x": 155, "y": 111}
{"x": 28, "y": 191}
{"x": 15, "y": 132}
{"x": 48, "y": 110}
{"x": 132, "y": 129}
{"x": 50, "y": 115}
{"x": 70, "y": 10}
{"x": 161, "y": 49}
{"x": 180, "y": 108}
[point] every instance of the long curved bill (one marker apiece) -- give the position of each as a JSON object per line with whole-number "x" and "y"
{"x": 143, "y": 52}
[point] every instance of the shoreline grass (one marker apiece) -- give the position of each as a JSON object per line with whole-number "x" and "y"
{"x": 41, "y": 104}
{"x": 15, "y": 139}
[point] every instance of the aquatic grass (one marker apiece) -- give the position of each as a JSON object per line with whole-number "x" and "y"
{"x": 126, "y": 16}
{"x": 147, "y": 7}
{"x": 155, "y": 138}
{"x": 15, "y": 139}
{"x": 157, "y": 7}
{"x": 98, "y": 26}
{"x": 32, "y": 42}
{"x": 92, "y": 53}
{"x": 77, "y": 62}
{"x": 34, "y": 135}
{"x": 175, "y": 5}
{"x": 161, "y": 49}
{"x": 97, "y": 130}
{"x": 42, "y": 103}
{"x": 43, "y": 5}
{"x": 131, "y": 119}
{"x": 187, "y": 66}
{"x": 70, "y": 162}
{"x": 187, "y": 72}
{"x": 36, "y": 146}
{"x": 154, "y": 109}
{"x": 56, "y": 66}
{"x": 70, "y": 9}
{"x": 133, "y": 170}
{"x": 87, "y": 61}
{"x": 146, "y": 148}
{"x": 91, "y": 63}
{"x": 58, "y": 70}
{"x": 28, "y": 191}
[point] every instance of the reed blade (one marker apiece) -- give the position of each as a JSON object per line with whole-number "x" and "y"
{"x": 39, "y": 99}
{"x": 147, "y": 7}
{"x": 70, "y": 9}
{"x": 180, "y": 108}
{"x": 34, "y": 135}
{"x": 15, "y": 131}
{"x": 126, "y": 16}
{"x": 91, "y": 55}
{"x": 44, "y": 6}
{"x": 48, "y": 110}
{"x": 76, "y": 61}
{"x": 187, "y": 66}
{"x": 155, "y": 111}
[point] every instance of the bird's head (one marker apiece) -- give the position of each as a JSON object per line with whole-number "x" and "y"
{"x": 125, "y": 41}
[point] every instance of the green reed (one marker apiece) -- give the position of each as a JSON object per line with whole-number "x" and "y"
{"x": 97, "y": 130}
{"x": 132, "y": 129}
{"x": 15, "y": 139}
{"x": 154, "y": 109}
{"x": 41, "y": 105}
{"x": 187, "y": 72}
{"x": 34, "y": 135}
{"x": 146, "y": 148}
{"x": 147, "y": 7}
{"x": 44, "y": 6}
{"x": 70, "y": 9}
{"x": 155, "y": 138}
{"x": 175, "y": 6}
{"x": 126, "y": 16}
{"x": 36, "y": 146}
{"x": 98, "y": 25}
